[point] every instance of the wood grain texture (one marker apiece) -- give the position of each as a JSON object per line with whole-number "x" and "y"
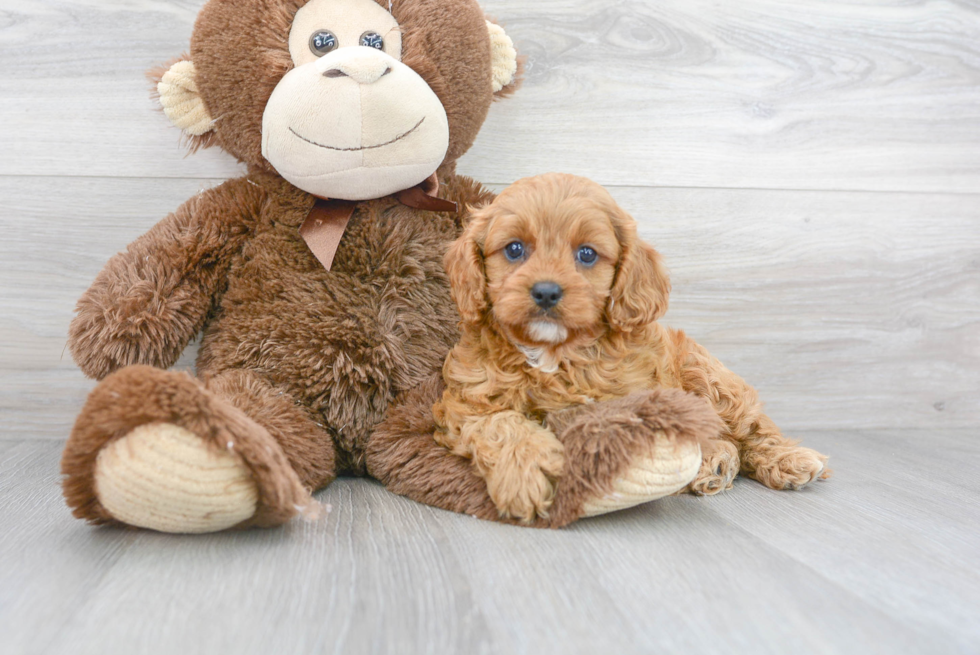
{"x": 879, "y": 559}
{"x": 753, "y": 94}
{"x": 750, "y": 94}
{"x": 845, "y": 310}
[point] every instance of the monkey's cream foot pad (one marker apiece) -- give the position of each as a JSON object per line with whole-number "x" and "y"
{"x": 163, "y": 477}
{"x": 667, "y": 470}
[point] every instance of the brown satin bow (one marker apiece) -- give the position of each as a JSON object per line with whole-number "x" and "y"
{"x": 325, "y": 224}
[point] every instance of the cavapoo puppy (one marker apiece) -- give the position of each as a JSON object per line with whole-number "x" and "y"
{"x": 559, "y": 301}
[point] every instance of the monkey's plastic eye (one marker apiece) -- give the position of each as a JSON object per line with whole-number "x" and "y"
{"x": 586, "y": 256}
{"x": 372, "y": 40}
{"x": 514, "y": 251}
{"x": 322, "y": 42}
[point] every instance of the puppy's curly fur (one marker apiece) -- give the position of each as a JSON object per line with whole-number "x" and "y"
{"x": 522, "y": 356}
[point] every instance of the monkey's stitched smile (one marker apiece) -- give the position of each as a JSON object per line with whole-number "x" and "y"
{"x": 380, "y": 145}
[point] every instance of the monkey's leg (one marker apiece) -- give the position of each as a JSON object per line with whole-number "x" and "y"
{"x": 159, "y": 450}
{"x": 618, "y": 454}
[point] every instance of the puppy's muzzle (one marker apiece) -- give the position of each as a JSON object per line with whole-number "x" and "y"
{"x": 546, "y": 294}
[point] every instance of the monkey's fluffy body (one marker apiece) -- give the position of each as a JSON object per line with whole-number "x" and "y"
{"x": 342, "y": 342}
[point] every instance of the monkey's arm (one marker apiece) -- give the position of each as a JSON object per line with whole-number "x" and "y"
{"x": 149, "y": 301}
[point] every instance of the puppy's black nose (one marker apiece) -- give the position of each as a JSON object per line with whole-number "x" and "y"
{"x": 546, "y": 294}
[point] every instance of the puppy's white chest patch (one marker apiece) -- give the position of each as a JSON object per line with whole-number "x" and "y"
{"x": 540, "y": 359}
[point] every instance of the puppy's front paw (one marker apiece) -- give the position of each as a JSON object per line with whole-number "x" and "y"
{"x": 521, "y": 482}
{"x": 792, "y": 467}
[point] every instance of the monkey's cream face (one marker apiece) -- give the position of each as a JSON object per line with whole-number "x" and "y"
{"x": 350, "y": 121}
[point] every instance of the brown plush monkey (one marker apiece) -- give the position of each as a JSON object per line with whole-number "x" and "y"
{"x": 317, "y": 282}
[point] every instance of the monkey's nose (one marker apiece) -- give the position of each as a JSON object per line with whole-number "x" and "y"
{"x": 546, "y": 294}
{"x": 366, "y": 69}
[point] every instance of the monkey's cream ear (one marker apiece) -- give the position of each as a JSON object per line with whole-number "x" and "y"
{"x": 181, "y": 100}
{"x": 504, "y": 58}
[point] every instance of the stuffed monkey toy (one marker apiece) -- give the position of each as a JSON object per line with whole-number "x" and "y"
{"x": 317, "y": 284}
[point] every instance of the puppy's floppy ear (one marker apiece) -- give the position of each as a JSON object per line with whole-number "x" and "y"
{"x": 641, "y": 288}
{"x": 464, "y": 266}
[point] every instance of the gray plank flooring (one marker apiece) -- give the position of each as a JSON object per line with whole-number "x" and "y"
{"x": 811, "y": 173}
{"x": 880, "y": 559}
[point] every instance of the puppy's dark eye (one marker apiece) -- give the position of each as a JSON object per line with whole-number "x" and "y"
{"x": 586, "y": 256}
{"x": 322, "y": 42}
{"x": 372, "y": 40}
{"x": 514, "y": 251}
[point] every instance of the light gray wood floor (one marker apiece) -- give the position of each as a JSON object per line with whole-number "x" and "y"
{"x": 881, "y": 559}
{"x": 811, "y": 174}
